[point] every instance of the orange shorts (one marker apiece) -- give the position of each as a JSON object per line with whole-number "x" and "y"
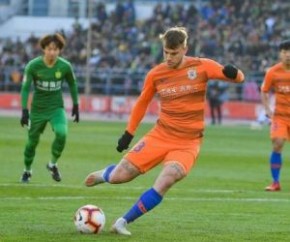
{"x": 154, "y": 149}
{"x": 280, "y": 129}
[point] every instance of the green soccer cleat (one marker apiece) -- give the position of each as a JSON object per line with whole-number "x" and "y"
{"x": 54, "y": 173}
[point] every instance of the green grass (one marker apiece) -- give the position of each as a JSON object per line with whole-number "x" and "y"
{"x": 222, "y": 199}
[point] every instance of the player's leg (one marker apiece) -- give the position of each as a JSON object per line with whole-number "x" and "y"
{"x": 29, "y": 154}
{"x": 114, "y": 174}
{"x": 59, "y": 125}
{"x": 275, "y": 161}
{"x": 146, "y": 154}
{"x": 142, "y": 157}
{"x": 37, "y": 126}
{"x": 212, "y": 111}
{"x": 278, "y": 136}
{"x": 219, "y": 113}
{"x": 172, "y": 172}
{"x": 177, "y": 164}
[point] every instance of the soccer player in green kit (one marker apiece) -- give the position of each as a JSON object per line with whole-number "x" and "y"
{"x": 47, "y": 73}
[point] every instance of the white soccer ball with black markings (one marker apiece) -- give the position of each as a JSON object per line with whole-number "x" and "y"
{"x": 89, "y": 219}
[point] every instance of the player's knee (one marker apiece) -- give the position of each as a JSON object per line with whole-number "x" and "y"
{"x": 278, "y": 145}
{"x": 175, "y": 171}
{"x": 60, "y": 134}
{"x": 32, "y": 143}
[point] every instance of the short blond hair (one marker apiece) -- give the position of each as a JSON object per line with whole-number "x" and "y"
{"x": 174, "y": 37}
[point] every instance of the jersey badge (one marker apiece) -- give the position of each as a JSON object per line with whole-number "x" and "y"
{"x": 57, "y": 74}
{"x": 191, "y": 74}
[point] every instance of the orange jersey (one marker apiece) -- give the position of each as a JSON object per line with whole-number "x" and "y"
{"x": 182, "y": 94}
{"x": 278, "y": 79}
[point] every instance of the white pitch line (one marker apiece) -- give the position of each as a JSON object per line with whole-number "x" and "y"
{"x": 122, "y": 187}
{"x": 39, "y": 185}
{"x": 126, "y": 187}
{"x": 113, "y": 186}
{"x": 214, "y": 199}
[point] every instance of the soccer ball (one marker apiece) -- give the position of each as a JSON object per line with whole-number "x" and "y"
{"x": 89, "y": 219}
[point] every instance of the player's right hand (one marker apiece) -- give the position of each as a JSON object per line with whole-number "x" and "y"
{"x": 24, "y": 117}
{"x": 76, "y": 113}
{"x": 124, "y": 141}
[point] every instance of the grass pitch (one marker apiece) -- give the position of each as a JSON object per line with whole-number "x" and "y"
{"x": 222, "y": 199}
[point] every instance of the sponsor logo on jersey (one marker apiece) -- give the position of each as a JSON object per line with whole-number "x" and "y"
{"x": 48, "y": 85}
{"x": 177, "y": 91}
{"x": 283, "y": 89}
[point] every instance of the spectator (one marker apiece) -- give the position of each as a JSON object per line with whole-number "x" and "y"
{"x": 246, "y": 32}
{"x": 216, "y": 96}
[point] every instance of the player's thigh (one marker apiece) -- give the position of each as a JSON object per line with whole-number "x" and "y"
{"x": 279, "y": 130}
{"x": 147, "y": 153}
{"x": 185, "y": 155}
{"x": 58, "y": 121}
{"x": 37, "y": 125}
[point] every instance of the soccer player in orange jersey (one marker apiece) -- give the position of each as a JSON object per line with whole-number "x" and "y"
{"x": 277, "y": 78}
{"x": 181, "y": 83}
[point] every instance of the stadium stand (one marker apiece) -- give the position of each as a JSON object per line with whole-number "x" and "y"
{"x": 124, "y": 47}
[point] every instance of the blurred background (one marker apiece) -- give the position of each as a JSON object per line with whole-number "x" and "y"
{"x": 112, "y": 44}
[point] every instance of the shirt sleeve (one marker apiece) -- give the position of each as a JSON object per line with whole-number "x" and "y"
{"x": 72, "y": 83}
{"x": 25, "y": 86}
{"x": 214, "y": 71}
{"x": 267, "y": 82}
{"x": 141, "y": 104}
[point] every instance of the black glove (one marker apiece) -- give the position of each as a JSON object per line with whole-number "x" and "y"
{"x": 230, "y": 71}
{"x": 24, "y": 117}
{"x": 75, "y": 112}
{"x": 124, "y": 141}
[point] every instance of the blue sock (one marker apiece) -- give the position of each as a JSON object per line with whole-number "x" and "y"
{"x": 108, "y": 172}
{"x": 146, "y": 202}
{"x": 275, "y": 163}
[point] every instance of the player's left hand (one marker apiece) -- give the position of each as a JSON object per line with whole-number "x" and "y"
{"x": 230, "y": 71}
{"x": 124, "y": 141}
{"x": 75, "y": 113}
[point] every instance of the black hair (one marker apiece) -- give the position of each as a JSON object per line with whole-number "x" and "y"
{"x": 285, "y": 45}
{"x": 57, "y": 38}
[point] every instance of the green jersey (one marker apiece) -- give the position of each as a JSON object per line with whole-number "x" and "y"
{"x": 47, "y": 83}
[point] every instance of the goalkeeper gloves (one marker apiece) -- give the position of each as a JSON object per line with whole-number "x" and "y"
{"x": 124, "y": 141}
{"x": 75, "y": 113}
{"x": 24, "y": 117}
{"x": 230, "y": 71}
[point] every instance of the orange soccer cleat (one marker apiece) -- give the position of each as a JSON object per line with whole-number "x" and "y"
{"x": 274, "y": 187}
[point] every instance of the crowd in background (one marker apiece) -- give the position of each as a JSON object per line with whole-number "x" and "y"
{"x": 242, "y": 32}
